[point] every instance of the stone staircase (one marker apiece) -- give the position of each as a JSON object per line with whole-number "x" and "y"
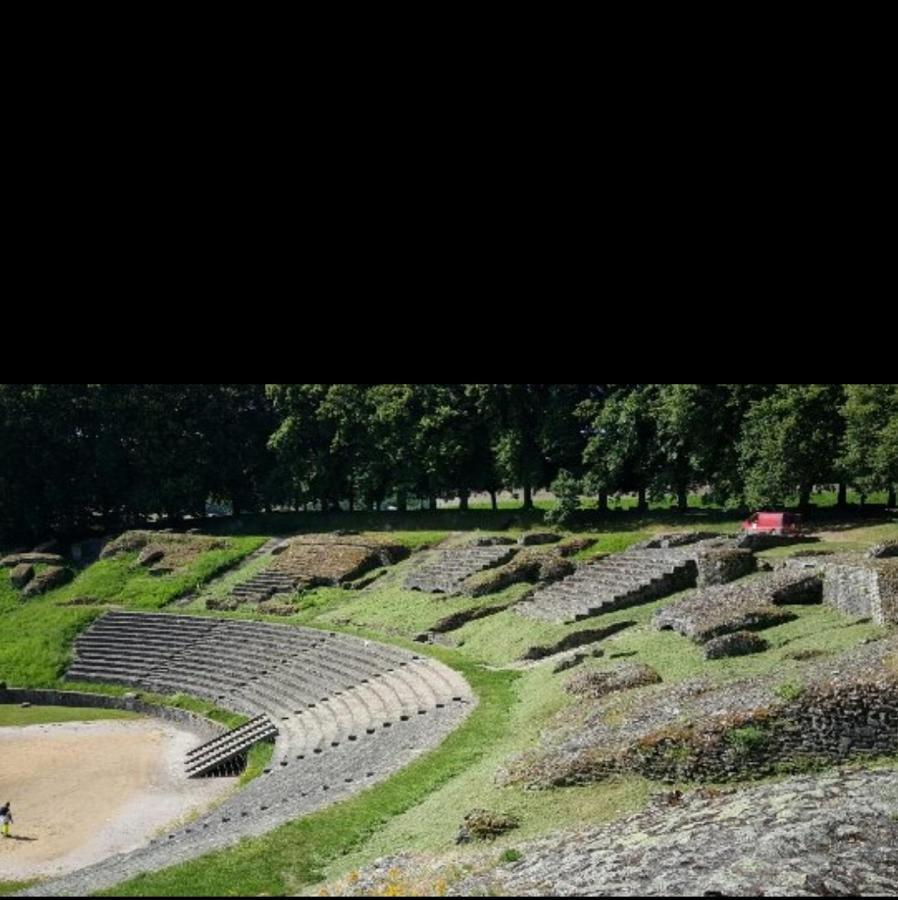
{"x": 446, "y": 573}
{"x": 348, "y": 713}
{"x": 226, "y": 754}
{"x": 264, "y": 585}
{"x": 616, "y": 582}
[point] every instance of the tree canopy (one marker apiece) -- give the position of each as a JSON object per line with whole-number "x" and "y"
{"x": 79, "y": 456}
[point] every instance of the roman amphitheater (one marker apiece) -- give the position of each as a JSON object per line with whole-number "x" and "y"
{"x": 593, "y": 720}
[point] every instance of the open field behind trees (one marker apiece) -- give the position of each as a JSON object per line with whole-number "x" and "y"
{"x": 421, "y": 807}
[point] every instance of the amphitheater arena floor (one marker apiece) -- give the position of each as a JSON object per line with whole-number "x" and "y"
{"x": 83, "y": 791}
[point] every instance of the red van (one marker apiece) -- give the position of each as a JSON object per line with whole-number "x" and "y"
{"x": 773, "y": 523}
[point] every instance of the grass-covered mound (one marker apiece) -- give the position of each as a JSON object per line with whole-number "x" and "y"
{"x": 37, "y": 633}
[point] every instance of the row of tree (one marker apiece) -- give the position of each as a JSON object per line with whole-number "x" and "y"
{"x": 75, "y": 454}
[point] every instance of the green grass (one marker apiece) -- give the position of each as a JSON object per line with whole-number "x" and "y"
{"x": 257, "y": 761}
{"x": 37, "y": 634}
{"x": 747, "y": 739}
{"x": 123, "y": 582}
{"x": 676, "y": 658}
{"x": 15, "y": 716}
{"x": 422, "y": 807}
{"x": 11, "y": 887}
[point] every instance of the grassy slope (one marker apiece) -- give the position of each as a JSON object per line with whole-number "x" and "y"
{"x": 37, "y": 634}
{"x": 11, "y": 887}
{"x": 422, "y": 807}
{"x": 15, "y": 716}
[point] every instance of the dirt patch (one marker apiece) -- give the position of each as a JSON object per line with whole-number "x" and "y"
{"x": 324, "y": 560}
{"x": 84, "y": 791}
{"x": 174, "y": 552}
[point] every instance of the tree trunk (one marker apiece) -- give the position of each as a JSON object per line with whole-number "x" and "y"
{"x": 643, "y": 504}
{"x": 463, "y": 500}
{"x": 842, "y": 502}
{"x": 351, "y": 501}
{"x": 495, "y": 500}
{"x": 603, "y": 501}
{"x": 432, "y": 503}
{"x": 804, "y": 496}
{"x": 892, "y": 502}
{"x": 682, "y": 498}
{"x": 528, "y": 497}
{"x": 402, "y": 501}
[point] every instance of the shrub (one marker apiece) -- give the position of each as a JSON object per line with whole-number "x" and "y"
{"x": 567, "y": 490}
{"x": 747, "y": 739}
{"x": 789, "y": 691}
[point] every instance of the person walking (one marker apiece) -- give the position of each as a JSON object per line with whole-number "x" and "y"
{"x": 5, "y": 818}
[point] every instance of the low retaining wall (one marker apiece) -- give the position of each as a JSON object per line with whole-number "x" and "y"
{"x": 818, "y": 729}
{"x": 205, "y": 728}
{"x": 865, "y": 592}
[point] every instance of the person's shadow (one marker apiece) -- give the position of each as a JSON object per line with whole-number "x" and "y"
{"x": 19, "y": 837}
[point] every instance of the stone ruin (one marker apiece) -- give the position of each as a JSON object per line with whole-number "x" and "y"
{"x": 310, "y": 561}
{"x": 862, "y": 587}
{"x": 753, "y": 603}
{"x": 808, "y": 836}
{"x": 834, "y": 710}
{"x": 31, "y": 581}
{"x": 624, "y": 676}
{"x": 651, "y": 570}
{"x": 448, "y": 571}
{"x": 162, "y": 552}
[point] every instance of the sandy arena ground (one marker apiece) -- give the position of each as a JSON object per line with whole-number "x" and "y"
{"x": 83, "y": 791}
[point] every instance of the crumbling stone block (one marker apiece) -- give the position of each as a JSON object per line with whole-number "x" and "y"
{"x": 720, "y": 565}
{"x": 21, "y": 575}
{"x": 885, "y": 550}
{"x": 739, "y": 643}
{"x": 534, "y": 538}
{"x": 53, "y": 577}
{"x": 149, "y": 556}
{"x": 623, "y": 677}
{"x": 483, "y": 825}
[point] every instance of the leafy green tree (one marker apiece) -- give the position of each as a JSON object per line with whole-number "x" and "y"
{"x": 622, "y": 452}
{"x": 44, "y": 455}
{"x": 567, "y": 490}
{"x": 534, "y": 431}
{"x": 870, "y": 447}
{"x": 302, "y": 443}
{"x": 790, "y": 441}
{"x": 696, "y": 428}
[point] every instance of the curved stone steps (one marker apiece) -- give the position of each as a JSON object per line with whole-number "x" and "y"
{"x": 287, "y": 792}
{"x": 348, "y": 713}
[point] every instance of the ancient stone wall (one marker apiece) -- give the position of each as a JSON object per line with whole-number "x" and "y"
{"x": 819, "y": 728}
{"x": 835, "y": 710}
{"x": 721, "y": 565}
{"x": 853, "y": 590}
{"x": 205, "y": 728}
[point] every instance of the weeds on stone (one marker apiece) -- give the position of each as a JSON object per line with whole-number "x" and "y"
{"x": 747, "y": 739}
{"x": 789, "y": 691}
